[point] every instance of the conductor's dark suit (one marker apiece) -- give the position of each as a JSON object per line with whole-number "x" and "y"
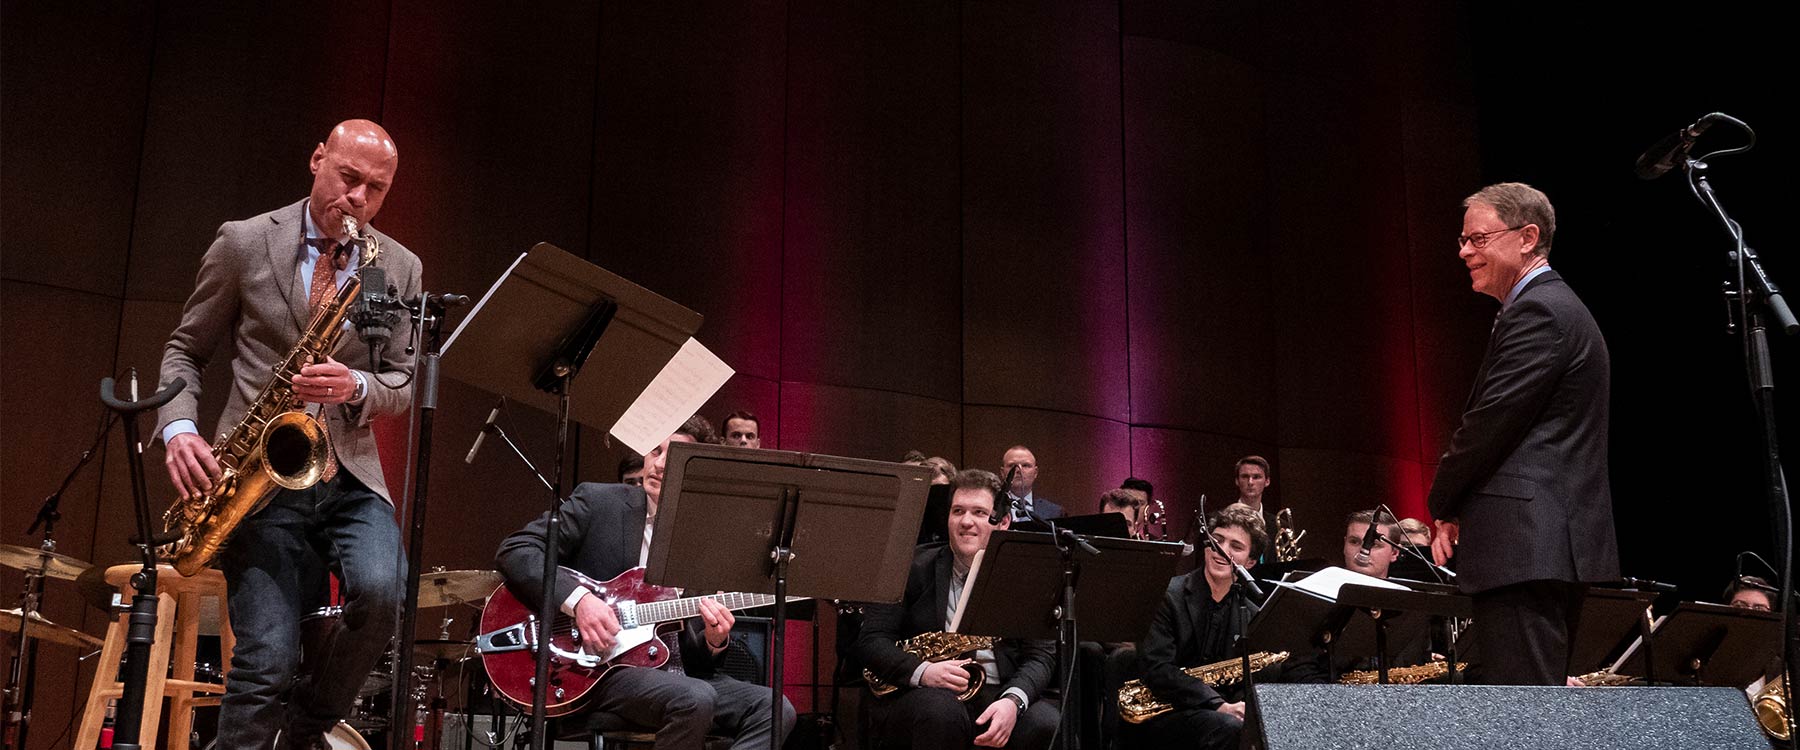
{"x": 931, "y": 717}
{"x": 602, "y": 535}
{"x": 1526, "y": 477}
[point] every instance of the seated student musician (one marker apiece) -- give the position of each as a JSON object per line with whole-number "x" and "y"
{"x": 1381, "y": 557}
{"x": 606, "y": 531}
{"x": 1198, "y": 624}
{"x": 924, "y": 713}
{"x": 1133, "y": 504}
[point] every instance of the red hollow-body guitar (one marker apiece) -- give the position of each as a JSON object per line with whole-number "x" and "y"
{"x": 509, "y": 635}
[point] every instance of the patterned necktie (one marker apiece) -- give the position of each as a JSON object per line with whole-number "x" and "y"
{"x": 332, "y": 258}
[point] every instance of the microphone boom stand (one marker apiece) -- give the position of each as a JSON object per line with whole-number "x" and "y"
{"x": 428, "y": 320}
{"x": 1755, "y": 284}
{"x": 135, "y": 673}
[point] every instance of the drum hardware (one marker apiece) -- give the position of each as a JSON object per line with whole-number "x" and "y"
{"x": 441, "y": 588}
{"x": 42, "y": 629}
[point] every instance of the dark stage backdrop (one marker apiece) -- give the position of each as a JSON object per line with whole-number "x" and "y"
{"x": 1142, "y": 237}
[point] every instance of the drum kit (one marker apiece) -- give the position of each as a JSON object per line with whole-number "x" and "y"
{"x": 436, "y": 658}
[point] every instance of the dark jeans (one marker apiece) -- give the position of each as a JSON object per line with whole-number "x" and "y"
{"x": 685, "y": 710}
{"x": 275, "y": 574}
{"x": 1523, "y": 633}
{"x": 932, "y": 719}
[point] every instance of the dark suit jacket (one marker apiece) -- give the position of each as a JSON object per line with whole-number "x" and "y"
{"x": 602, "y": 533}
{"x": 1174, "y": 643}
{"x": 1526, "y": 472}
{"x": 247, "y": 293}
{"x": 1027, "y": 665}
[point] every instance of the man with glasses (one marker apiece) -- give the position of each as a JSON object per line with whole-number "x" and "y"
{"x": 1521, "y": 497}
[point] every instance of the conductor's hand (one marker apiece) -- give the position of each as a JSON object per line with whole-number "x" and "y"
{"x": 327, "y": 382}
{"x": 718, "y": 621}
{"x": 1000, "y": 717}
{"x": 191, "y": 465}
{"x": 948, "y": 674}
{"x": 1443, "y": 543}
{"x": 1233, "y": 709}
{"x": 597, "y": 623}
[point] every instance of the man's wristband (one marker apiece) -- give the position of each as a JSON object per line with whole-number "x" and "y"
{"x": 1016, "y": 701}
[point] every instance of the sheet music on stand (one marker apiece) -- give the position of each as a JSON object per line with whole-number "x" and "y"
{"x": 547, "y": 292}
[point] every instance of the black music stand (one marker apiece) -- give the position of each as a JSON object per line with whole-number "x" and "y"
{"x": 1711, "y": 644}
{"x": 1608, "y": 617}
{"x": 742, "y": 519}
{"x": 1410, "y": 606}
{"x": 1019, "y": 589}
{"x": 1112, "y": 525}
{"x": 528, "y": 338}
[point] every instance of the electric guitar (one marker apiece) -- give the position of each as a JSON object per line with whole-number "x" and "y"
{"x": 509, "y": 631}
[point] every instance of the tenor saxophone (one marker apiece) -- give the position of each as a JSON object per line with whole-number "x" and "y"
{"x": 277, "y": 444}
{"x": 1138, "y": 705}
{"x": 1427, "y": 672}
{"x": 933, "y": 647}
{"x": 1772, "y": 708}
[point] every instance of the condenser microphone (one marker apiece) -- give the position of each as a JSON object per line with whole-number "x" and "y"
{"x": 486, "y": 427}
{"x": 1368, "y": 542}
{"x": 1000, "y": 514}
{"x": 1671, "y": 150}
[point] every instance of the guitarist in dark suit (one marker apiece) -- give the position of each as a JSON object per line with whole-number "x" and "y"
{"x": 1523, "y": 491}
{"x": 1009, "y": 711}
{"x": 606, "y": 531}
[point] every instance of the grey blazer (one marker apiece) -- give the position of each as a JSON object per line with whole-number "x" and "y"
{"x": 247, "y": 293}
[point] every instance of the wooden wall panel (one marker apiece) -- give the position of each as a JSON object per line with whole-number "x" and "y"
{"x": 1044, "y": 292}
{"x": 870, "y": 286}
{"x": 686, "y": 171}
{"x": 240, "y": 94}
{"x": 69, "y": 136}
{"x": 865, "y": 423}
{"x": 1201, "y": 288}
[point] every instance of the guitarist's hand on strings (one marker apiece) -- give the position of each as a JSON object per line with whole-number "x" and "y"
{"x": 597, "y": 623}
{"x": 718, "y": 621}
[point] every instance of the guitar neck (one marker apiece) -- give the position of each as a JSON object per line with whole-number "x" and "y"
{"x": 685, "y": 607}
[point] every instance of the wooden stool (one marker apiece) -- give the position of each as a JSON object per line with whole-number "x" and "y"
{"x": 177, "y": 627}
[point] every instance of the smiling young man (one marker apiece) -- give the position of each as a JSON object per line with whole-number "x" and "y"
{"x": 1197, "y": 624}
{"x": 1522, "y": 499}
{"x": 924, "y": 714}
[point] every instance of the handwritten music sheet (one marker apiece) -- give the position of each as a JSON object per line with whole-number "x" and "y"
{"x": 682, "y": 387}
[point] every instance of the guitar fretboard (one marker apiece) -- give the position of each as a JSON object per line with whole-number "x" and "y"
{"x": 685, "y": 607}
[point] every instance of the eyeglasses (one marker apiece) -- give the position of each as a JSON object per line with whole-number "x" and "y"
{"x": 1480, "y": 240}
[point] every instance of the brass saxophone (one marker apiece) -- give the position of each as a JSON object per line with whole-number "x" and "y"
{"x": 1427, "y": 672}
{"x": 1287, "y": 543}
{"x": 1607, "y": 678}
{"x": 276, "y": 445}
{"x": 1771, "y": 706}
{"x": 933, "y": 647}
{"x": 1138, "y": 705}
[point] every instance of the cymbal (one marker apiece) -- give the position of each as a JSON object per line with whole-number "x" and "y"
{"x": 445, "y": 587}
{"x": 47, "y": 631}
{"x": 31, "y": 559}
{"x": 94, "y": 589}
{"x": 446, "y": 650}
